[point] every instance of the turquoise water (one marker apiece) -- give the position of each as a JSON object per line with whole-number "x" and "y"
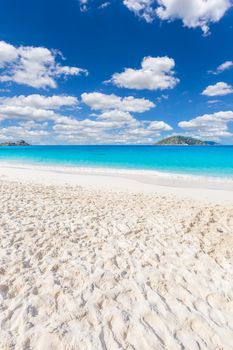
{"x": 210, "y": 161}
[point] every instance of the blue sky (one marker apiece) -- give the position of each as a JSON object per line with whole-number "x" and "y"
{"x": 123, "y": 71}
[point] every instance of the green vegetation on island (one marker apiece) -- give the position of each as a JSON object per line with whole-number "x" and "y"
{"x": 185, "y": 141}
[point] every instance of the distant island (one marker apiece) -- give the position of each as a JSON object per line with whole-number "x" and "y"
{"x": 16, "y": 143}
{"x": 184, "y": 141}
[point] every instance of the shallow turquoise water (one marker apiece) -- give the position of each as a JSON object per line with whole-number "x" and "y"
{"x": 211, "y": 161}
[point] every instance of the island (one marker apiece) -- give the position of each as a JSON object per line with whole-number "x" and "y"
{"x": 16, "y": 143}
{"x": 184, "y": 141}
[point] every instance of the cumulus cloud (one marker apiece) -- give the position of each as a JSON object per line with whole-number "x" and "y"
{"x": 30, "y": 130}
{"x": 219, "y": 89}
{"x": 16, "y": 112}
{"x": 193, "y": 13}
{"x": 32, "y": 116}
{"x": 8, "y": 53}
{"x": 99, "y": 101}
{"x": 34, "y": 107}
{"x": 19, "y": 132}
{"x": 121, "y": 117}
{"x": 40, "y": 101}
{"x": 113, "y": 127}
{"x": 209, "y": 126}
{"x": 156, "y": 73}
{"x": 32, "y": 66}
{"x": 114, "y": 123}
{"x": 43, "y": 119}
{"x": 159, "y": 126}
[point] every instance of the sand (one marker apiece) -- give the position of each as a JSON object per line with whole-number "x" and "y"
{"x": 214, "y": 190}
{"x": 112, "y": 269}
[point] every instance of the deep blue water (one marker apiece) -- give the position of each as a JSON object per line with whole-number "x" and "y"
{"x": 211, "y": 161}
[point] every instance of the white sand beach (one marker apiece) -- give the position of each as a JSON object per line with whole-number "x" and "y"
{"x": 114, "y": 262}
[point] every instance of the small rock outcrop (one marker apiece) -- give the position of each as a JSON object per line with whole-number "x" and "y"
{"x": 16, "y": 143}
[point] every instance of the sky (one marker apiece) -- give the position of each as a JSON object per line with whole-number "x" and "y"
{"x": 117, "y": 71}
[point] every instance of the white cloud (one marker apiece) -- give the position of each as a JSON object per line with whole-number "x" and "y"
{"x": 8, "y": 53}
{"x": 156, "y": 73}
{"x": 118, "y": 116}
{"x": 222, "y": 67}
{"x": 193, "y": 13}
{"x": 39, "y": 119}
{"x": 209, "y": 126}
{"x": 114, "y": 124}
{"x": 159, "y": 126}
{"x": 104, "y": 5}
{"x": 142, "y": 8}
{"x": 31, "y": 124}
{"x": 99, "y": 101}
{"x": 219, "y": 89}
{"x": 16, "y": 112}
{"x": 32, "y": 116}
{"x": 30, "y": 131}
{"x": 32, "y": 66}
{"x": 108, "y": 128}
{"x": 34, "y": 107}
{"x": 211, "y": 102}
{"x": 66, "y": 70}
{"x": 40, "y": 101}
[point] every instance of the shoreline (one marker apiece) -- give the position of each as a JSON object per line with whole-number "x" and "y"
{"x": 217, "y": 190}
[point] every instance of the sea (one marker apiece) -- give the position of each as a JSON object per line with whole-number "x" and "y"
{"x": 214, "y": 161}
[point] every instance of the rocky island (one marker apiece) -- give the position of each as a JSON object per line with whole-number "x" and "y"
{"x": 16, "y": 143}
{"x": 184, "y": 141}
